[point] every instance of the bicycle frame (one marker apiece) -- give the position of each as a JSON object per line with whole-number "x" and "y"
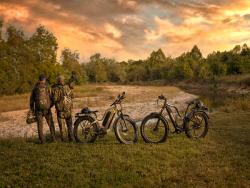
{"x": 114, "y": 109}
{"x": 171, "y": 116}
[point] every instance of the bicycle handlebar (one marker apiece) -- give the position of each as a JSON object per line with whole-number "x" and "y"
{"x": 165, "y": 103}
{"x": 162, "y": 97}
{"x": 120, "y": 98}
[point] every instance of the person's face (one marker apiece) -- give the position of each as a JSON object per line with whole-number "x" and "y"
{"x": 61, "y": 82}
{"x": 44, "y": 80}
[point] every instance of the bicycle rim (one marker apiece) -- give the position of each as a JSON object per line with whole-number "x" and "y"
{"x": 154, "y": 130}
{"x": 126, "y": 133}
{"x": 84, "y": 131}
{"x": 197, "y": 126}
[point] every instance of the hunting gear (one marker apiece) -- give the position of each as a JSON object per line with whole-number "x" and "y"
{"x": 42, "y": 98}
{"x": 62, "y": 98}
{"x": 73, "y": 78}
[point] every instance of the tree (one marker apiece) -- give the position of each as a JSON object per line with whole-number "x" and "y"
{"x": 96, "y": 70}
{"x": 43, "y": 46}
{"x": 181, "y": 71}
{"x": 100, "y": 73}
{"x": 237, "y": 49}
{"x": 155, "y": 61}
{"x": 196, "y": 54}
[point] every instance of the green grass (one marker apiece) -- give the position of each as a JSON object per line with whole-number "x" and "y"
{"x": 221, "y": 159}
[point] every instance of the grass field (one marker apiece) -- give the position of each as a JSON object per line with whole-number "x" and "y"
{"x": 221, "y": 159}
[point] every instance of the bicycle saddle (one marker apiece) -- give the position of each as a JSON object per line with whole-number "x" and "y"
{"x": 86, "y": 110}
{"x": 190, "y": 102}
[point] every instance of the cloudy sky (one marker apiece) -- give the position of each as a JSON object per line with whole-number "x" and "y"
{"x": 127, "y": 29}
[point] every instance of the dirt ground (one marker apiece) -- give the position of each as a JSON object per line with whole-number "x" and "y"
{"x": 14, "y": 123}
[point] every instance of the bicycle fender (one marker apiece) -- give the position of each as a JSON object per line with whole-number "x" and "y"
{"x": 156, "y": 114}
{"x": 191, "y": 112}
{"x": 90, "y": 117}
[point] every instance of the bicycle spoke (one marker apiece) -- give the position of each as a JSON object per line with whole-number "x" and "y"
{"x": 126, "y": 131}
{"x": 154, "y": 130}
{"x": 198, "y": 124}
{"x": 84, "y": 131}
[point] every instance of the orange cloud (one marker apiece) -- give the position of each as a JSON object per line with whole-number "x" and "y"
{"x": 13, "y": 12}
{"x": 126, "y": 29}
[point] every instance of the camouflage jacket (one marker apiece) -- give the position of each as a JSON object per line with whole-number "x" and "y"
{"x": 58, "y": 94}
{"x": 35, "y": 99}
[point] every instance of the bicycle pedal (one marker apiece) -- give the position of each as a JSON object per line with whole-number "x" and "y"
{"x": 102, "y": 132}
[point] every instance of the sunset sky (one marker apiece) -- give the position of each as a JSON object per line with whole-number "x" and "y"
{"x": 124, "y": 29}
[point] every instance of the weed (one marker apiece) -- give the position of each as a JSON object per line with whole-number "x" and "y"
{"x": 14, "y": 102}
{"x": 99, "y": 89}
{"x": 237, "y": 104}
{"x": 3, "y": 118}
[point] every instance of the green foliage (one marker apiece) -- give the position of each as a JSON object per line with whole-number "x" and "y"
{"x": 181, "y": 71}
{"x": 23, "y": 59}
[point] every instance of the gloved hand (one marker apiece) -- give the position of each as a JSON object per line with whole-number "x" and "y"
{"x": 32, "y": 112}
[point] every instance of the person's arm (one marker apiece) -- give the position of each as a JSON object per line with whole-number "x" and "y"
{"x": 72, "y": 94}
{"x": 51, "y": 97}
{"x": 55, "y": 95}
{"x": 32, "y": 99}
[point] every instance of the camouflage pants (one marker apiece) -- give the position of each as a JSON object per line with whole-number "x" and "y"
{"x": 48, "y": 116}
{"x": 63, "y": 117}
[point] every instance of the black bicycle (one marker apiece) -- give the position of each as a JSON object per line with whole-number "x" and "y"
{"x": 155, "y": 127}
{"x": 87, "y": 128}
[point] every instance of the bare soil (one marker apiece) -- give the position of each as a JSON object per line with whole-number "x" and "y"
{"x": 13, "y": 124}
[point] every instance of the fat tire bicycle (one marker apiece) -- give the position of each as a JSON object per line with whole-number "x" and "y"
{"x": 87, "y": 128}
{"x": 155, "y": 127}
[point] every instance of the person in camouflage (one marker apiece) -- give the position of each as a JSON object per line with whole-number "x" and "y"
{"x": 63, "y": 94}
{"x": 42, "y": 97}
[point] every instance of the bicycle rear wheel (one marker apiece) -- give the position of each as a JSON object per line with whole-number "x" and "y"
{"x": 126, "y": 131}
{"x": 154, "y": 129}
{"x": 83, "y": 132}
{"x": 197, "y": 125}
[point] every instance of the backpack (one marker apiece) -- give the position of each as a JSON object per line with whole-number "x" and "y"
{"x": 42, "y": 97}
{"x": 65, "y": 102}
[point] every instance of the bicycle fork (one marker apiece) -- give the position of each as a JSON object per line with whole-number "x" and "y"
{"x": 158, "y": 121}
{"x": 125, "y": 125}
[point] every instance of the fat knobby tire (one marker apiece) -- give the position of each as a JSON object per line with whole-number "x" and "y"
{"x": 188, "y": 122}
{"x": 134, "y": 130}
{"x": 143, "y": 127}
{"x": 77, "y": 127}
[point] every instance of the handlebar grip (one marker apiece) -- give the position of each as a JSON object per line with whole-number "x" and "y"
{"x": 162, "y": 97}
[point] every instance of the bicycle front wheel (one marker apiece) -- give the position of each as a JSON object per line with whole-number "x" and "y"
{"x": 83, "y": 130}
{"x": 197, "y": 125}
{"x": 126, "y": 130}
{"x": 154, "y": 129}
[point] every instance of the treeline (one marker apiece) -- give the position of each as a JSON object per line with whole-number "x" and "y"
{"x": 22, "y": 59}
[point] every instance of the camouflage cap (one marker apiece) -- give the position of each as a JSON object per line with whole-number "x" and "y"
{"x": 60, "y": 78}
{"x": 42, "y": 77}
